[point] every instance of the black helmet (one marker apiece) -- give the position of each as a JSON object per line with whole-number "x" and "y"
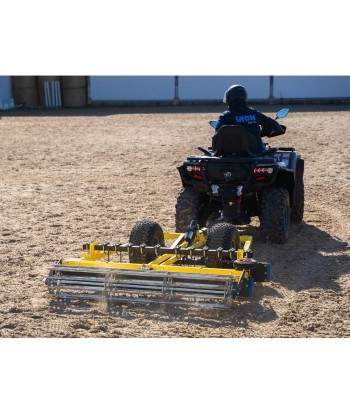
{"x": 235, "y": 92}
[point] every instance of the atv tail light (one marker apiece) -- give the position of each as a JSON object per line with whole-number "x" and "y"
{"x": 263, "y": 170}
{"x": 198, "y": 177}
{"x": 195, "y": 168}
{"x": 260, "y": 178}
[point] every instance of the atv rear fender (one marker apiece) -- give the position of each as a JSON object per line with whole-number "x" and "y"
{"x": 292, "y": 175}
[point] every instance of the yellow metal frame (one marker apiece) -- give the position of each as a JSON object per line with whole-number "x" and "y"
{"x": 166, "y": 262}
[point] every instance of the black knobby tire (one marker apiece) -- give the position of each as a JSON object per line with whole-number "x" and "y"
{"x": 297, "y": 212}
{"x": 145, "y": 232}
{"x": 222, "y": 235}
{"x": 275, "y": 215}
{"x": 191, "y": 205}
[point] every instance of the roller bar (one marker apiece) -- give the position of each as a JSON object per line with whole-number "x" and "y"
{"x": 138, "y": 285}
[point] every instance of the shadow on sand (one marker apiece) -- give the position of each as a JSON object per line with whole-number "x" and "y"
{"x": 311, "y": 258}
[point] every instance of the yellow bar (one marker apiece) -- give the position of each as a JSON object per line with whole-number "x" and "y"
{"x": 247, "y": 240}
{"x": 76, "y": 262}
{"x": 197, "y": 270}
{"x": 172, "y": 235}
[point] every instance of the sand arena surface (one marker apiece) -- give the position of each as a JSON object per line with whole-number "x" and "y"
{"x": 69, "y": 177}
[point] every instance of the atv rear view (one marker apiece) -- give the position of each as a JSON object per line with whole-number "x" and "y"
{"x": 231, "y": 183}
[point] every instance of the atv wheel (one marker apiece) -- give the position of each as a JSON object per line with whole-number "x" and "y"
{"x": 274, "y": 215}
{"x": 191, "y": 205}
{"x": 297, "y": 212}
{"x": 222, "y": 235}
{"x": 145, "y": 232}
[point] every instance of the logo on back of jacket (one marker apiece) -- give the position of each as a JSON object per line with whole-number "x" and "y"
{"x": 250, "y": 119}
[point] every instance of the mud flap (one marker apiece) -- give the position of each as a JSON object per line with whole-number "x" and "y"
{"x": 299, "y": 174}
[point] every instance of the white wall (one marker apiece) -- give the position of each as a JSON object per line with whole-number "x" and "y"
{"x": 119, "y": 88}
{"x": 214, "y": 87}
{"x": 312, "y": 86}
{"x": 116, "y": 88}
{"x": 5, "y": 87}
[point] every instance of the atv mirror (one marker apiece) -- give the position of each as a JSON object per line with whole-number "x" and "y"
{"x": 213, "y": 123}
{"x": 282, "y": 113}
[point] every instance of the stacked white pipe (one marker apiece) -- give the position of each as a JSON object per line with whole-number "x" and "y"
{"x": 52, "y": 93}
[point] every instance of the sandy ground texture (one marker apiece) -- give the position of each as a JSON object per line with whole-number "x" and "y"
{"x": 69, "y": 177}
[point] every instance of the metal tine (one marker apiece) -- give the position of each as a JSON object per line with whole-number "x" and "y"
{"x": 135, "y": 285}
{"x": 77, "y": 288}
{"x": 112, "y": 294}
{"x": 199, "y": 288}
{"x": 68, "y": 280}
{"x": 167, "y": 294}
{"x": 114, "y": 273}
{"x": 200, "y": 304}
{"x": 130, "y": 282}
{"x": 141, "y": 289}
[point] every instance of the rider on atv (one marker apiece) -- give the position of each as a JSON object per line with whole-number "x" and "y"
{"x": 240, "y": 114}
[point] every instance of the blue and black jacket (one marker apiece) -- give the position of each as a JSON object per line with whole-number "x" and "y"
{"x": 240, "y": 114}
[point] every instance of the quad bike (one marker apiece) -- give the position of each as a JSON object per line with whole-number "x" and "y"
{"x": 231, "y": 183}
{"x": 206, "y": 261}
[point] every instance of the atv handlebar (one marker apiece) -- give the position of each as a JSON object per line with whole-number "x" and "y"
{"x": 266, "y": 133}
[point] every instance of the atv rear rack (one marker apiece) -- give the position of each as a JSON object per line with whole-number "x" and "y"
{"x": 215, "y": 278}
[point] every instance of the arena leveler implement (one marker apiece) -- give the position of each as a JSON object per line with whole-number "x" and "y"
{"x": 207, "y": 267}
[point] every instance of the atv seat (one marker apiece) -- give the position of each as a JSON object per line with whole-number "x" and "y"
{"x": 234, "y": 140}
